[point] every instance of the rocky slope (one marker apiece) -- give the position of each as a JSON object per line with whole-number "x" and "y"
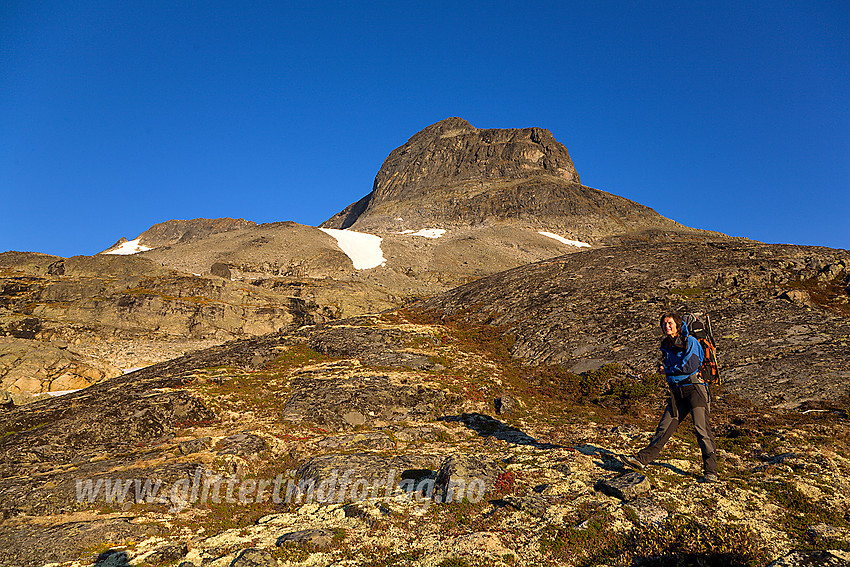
{"x": 372, "y": 412}
{"x": 471, "y": 202}
{"x": 453, "y": 204}
{"x": 780, "y": 311}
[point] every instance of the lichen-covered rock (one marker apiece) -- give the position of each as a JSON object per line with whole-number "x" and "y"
{"x": 627, "y": 486}
{"x": 810, "y": 559}
{"x": 315, "y": 537}
{"x": 463, "y": 476}
{"x": 254, "y": 558}
{"x": 341, "y": 403}
{"x": 648, "y": 510}
{"x": 362, "y": 475}
{"x": 242, "y": 444}
{"x": 373, "y": 440}
{"x": 57, "y": 542}
{"x": 167, "y": 553}
{"x": 375, "y": 347}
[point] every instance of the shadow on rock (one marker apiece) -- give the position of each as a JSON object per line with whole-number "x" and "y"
{"x": 695, "y": 560}
{"x": 112, "y": 558}
{"x": 487, "y": 426}
{"x": 608, "y": 460}
{"x": 673, "y": 468}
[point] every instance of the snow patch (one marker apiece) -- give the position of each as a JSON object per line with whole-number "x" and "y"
{"x": 61, "y": 392}
{"x": 426, "y": 232}
{"x": 131, "y": 247}
{"x": 363, "y": 249}
{"x": 564, "y": 240}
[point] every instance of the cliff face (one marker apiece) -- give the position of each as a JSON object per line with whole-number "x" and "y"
{"x": 68, "y": 322}
{"x": 453, "y": 174}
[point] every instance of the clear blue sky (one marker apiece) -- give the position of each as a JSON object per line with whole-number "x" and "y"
{"x": 726, "y": 115}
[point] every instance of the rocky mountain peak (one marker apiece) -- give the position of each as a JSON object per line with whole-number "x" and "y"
{"x": 453, "y": 151}
{"x": 452, "y": 174}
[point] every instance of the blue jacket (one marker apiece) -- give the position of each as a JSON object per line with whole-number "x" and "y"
{"x": 680, "y": 363}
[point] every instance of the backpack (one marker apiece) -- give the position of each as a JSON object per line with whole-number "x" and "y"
{"x": 699, "y": 326}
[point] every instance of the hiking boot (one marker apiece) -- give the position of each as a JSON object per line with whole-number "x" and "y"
{"x": 708, "y": 478}
{"x": 632, "y": 462}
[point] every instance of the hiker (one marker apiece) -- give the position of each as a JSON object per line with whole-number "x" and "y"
{"x": 682, "y": 359}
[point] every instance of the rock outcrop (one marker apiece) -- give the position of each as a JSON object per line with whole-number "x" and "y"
{"x": 182, "y": 231}
{"x": 601, "y": 306}
{"x": 31, "y": 367}
{"x": 69, "y": 322}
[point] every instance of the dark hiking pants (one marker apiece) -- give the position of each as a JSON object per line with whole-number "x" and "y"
{"x": 693, "y": 400}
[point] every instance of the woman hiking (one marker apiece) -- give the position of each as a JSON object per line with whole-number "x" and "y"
{"x": 682, "y": 359}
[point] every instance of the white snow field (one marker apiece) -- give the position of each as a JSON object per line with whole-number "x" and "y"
{"x": 564, "y": 240}
{"x": 363, "y": 249}
{"x": 425, "y": 232}
{"x": 131, "y": 247}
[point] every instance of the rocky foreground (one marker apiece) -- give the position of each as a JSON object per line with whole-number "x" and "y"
{"x": 415, "y": 437}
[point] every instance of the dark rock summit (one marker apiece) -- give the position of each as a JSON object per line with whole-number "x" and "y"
{"x": 453, "y": 151}
{"x": 452, "y": 173}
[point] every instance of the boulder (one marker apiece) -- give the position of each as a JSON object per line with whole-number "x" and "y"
{"x": 505, "y": 405}
{"x": 254, "y": 558}
{"x": 320, "y": 538}
{"x": 627, "y": 486}
{"x": 221, "y": 270}
{"x": 464, "y": 476}
{"x": 243, "y": 445}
